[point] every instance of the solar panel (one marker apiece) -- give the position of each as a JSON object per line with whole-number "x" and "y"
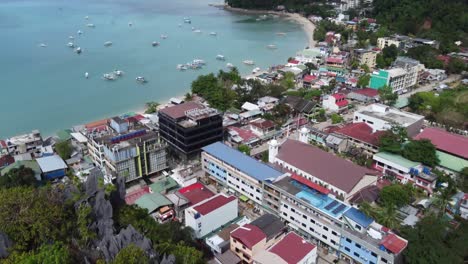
{"x": 331, "y": 205}
{"x": 339, "y": 209}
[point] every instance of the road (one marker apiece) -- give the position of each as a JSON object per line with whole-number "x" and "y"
{"x": 430, "y": 86}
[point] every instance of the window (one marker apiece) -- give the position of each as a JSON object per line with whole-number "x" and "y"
{"x": 358, "y": 246}
{"x": 324, "y": 237}
{"x": 373, "y": 254}
{"x": 356, "y": 254}
{"x": 325, "y": 228}
{"x": 333, "y": 242}
{"x": 312, "y": 221}
{"x": 292, "y": 210}
{"x": 292, "y": 218}
{"x": 348, "y": 240}
{"x": 370, "y": 262}
{"x": 304, "y": 216}
{"x": 304, "y": 225}
{"x": 334, "y": 233}
{"x": 311, "y": 229}
{"x": 286, "y": 206}
{"x": 285, "y": 214}
{"x": 347, "y": 249}
{"x": 383, "y": 260}
{"x": 243, "y": 247}
{"x": 358, "y": 227}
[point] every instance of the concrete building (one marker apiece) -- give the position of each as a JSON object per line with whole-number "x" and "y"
{"x": 335, "y": 102}
{"x": 233, "y": 169}
{"x": 387, "y": 42}
{"x": 211, "y": 214}
{"x": 382, "y": 117}
{"x": 128, "y": 150}
{"x": 28, "y": 143}
{"x": 361, "y": 136}
{"x": 405, "y": 171}
{"x": 336, "y": 175}
{"x": 190, "y": 126}
{"x": 313, "y": 55}
{"x": 316, "y": 214}
{"x": 365, "y": 57}
{"x": 292, "y": 249}
{"x": 52, "y": 167}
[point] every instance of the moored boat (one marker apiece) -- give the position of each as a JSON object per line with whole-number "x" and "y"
{"x": 155, "y": 44}
{"x": 141, "y": 79}
{"x": 220, "y": 57}
{"x": 107, "y": 44}
{"x": 249, "y": 62}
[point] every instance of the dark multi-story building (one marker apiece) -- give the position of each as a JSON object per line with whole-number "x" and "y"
{"x": 190, "y": 126}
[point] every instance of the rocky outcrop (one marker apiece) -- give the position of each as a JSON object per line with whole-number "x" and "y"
{"x": 5, "y": 244}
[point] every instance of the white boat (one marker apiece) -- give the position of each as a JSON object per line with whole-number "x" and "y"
{"x": 130, "y": 24}
{"x": 86, "y": 75}
{"x": 79, "y": 32}
{"x": 91, "y": 25}
{"x": 141, "y": 79}
{"x": 213, "y": 33}
{"x": 187, "y": 20}
{"x": 86, "y": 17}
{"x": 229, "y": 65}
{"x": 181, "y": 67}
{"x": 197, "y": 31}
{"x": 42, "y": 45}
{"x": 164, "y": 36}
{"x": 107, "y": 44}
{"x": 220, "y": 57}
{"x": 281, "y": 34}
{"x": 109, "y": 76}
{"x": 194, "y": 66}
{"x": 254, "y": 71}
{"x": 155, "y": 44}
{"x": 198, "y": 61}
{"x": 71, "y": 37}
{"x": 78, "y": 50}
{"x": 118, "y": 73}
{"x": 249, "y": 62}
{"x": 271, "y": 46}
{"x": 70, "y": 45}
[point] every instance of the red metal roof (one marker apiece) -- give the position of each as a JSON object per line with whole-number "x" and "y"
{"x": 394, "y": 243}
{"x": 309, "y": 78}
{"x": 178, "y": 111}
{"x": 361, "y": 131}
{"x": 369, "y": 92}
{"x": 131, "y": 197}
{"x": 249, "y": 235}
{"x": 3, "y": 144}
{"x": 6, "y": 160}
{"x": 245, "y": 134}
{"x": 263, "y": 124}
{"x": 96, "y": 124}
{"x": 196, "y": 193}
{"x": 338, "y": 96}
{"x": 213, "y": 204}
{"x": 310, "y": 184}
{"x": 342, "y": 103}
{"x": 445, "y": 141}
{"x": 292, "y": 248}
{"x": 334, "y": 60}
{"x": 293, "y": 61}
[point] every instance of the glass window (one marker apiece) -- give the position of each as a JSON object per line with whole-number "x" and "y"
{"x": 356, "y": 254}
{"x": 347, "y": 249}
{"x": 348, "y": 240}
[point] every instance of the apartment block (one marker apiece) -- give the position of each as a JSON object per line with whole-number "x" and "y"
{"x": 27, "y": 143}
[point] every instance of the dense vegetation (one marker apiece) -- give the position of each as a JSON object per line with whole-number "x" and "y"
{"x": 445, "y": 21}
{"x": 307, "y": 7}
{"x": 449, "y": 107}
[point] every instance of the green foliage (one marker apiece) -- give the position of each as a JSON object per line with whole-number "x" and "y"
{"x": 421, "y": 150}
{"x": 310, "y": 66}
{"x": 281, "y": 113}
{"x": 64, "y": 149}
{"x": 387, "y": 56}
{"x": 363, "y": 80}
{"x": 432, "y": 241}
{"x": 16, "y": 177}
{"x": 463, "y": 180}
{"x": 456, "y": 65}
{"x": 188, "y": 97}
{"x": 32, "y": 217}
{"x": 336, "y": 118}
{"x": 184, "y": 254}
{"x": 395, "y": 195}
{"x": 392, "y": 140}
{"x": 83, "y": 221}
{"x": 55, "y": 253}
{"x": 131, "y": 255}
{"x": 426, "y": 19}
{"x": 426, "y": 55}
{"x": 265, "y": 156}
{"x": 305, "y": 7}
{"x": 309, "y": 95}
{"x": 324, "y": 26}
{"x": 387, "y": 96}
{"x": 288, "y": 81}
{"x": 151, "y": 107}
{"x": 244, "y": 149}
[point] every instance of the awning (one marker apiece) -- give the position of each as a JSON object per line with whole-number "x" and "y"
{"x": 244, "y": 198}
{"x": 310, "y": 184}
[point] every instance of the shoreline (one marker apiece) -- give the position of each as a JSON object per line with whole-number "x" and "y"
{"x": 306, "y": 24}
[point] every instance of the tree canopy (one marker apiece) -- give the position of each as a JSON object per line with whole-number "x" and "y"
{"x": 131, "y": 255}
{"x": 151, "y": 107}
{"x": 387, "y": 96}
{"x": 244, "y": 148}
{"x": 395, "y": 195}
{"x": 64, "y": 149}
{"x": 387, "y": 57}
{"x": 17, "y": 177}
{"x": 421, "y": 150}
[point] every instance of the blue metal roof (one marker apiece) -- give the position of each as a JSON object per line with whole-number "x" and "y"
{"x": 244, "y": 163}
{"x": 359, "y": 217}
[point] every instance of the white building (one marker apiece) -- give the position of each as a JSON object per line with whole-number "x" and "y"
{"x": 335, "y": 102}
{"x": 211, "y": 214}
{"x": 27, "y": 143}
{"x": 382, "y": 117}
{"x": 387, "y": 42}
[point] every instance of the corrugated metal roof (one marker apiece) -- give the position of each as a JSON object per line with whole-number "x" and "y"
{"x": 397, "y": 159}
{"x": 451, "y": 162}
{"x": 244, "y": 163}
{"x": 152, "y": 201}
{"x": 358, "y": 217}
{"x": 51, "y": 163}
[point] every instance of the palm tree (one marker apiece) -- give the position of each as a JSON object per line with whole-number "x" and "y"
{"x": 387, "y": 216}
{"x": 151, "y": 107}
{"x": 367, "y": 209}
{"x": 442, "y": 199}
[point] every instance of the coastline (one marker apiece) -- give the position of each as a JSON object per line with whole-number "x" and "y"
{"x": 307, "y": 25}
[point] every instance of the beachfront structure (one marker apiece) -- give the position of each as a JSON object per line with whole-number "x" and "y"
{"x": 27, "y": 143}
{"x": 188, "y": 127}
{"x": 452, "y": 149}
{"x": 315, "y": 213}
{"x": 382, "y": 117}
{"x": 290, "y": 249}
{"x": 338, "y": 176}
{"x": 312, "y": 55}
{"x": 335, "y": 102}
{"x": 210, "y": 214}
{"x": 236, "y": 171}
{"x": 249, "y": 240}
{"x": 405, "y": 171}
{"x": 365, "y": 57}
{"x": 127, "y": 150}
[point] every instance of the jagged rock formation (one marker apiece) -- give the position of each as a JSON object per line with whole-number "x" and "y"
{"x": 5, "y": 243}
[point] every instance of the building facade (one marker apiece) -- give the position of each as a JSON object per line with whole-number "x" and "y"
{"x": 188, "y": 127}
{"x": 365, "y": 57}
{"x": 27, "y": 143}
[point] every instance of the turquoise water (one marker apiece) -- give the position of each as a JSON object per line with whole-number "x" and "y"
{"x": 44, "y": 87}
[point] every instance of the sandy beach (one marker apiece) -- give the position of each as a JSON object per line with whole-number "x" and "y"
{"x": 308, "y": 26}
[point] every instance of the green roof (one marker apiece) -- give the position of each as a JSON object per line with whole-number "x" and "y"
{"x": 163, "y": 185}
{"x": 451, "y": 162}
{"x": 397, "y": 159}
{"x": 152, "y": 201}
{"x": 378, "y": 80}
{"x": 300, "y": 66}
{"x": 64, "y": 135}
{"x": 402, "y": 102}
{"x": 26, "y": 163}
